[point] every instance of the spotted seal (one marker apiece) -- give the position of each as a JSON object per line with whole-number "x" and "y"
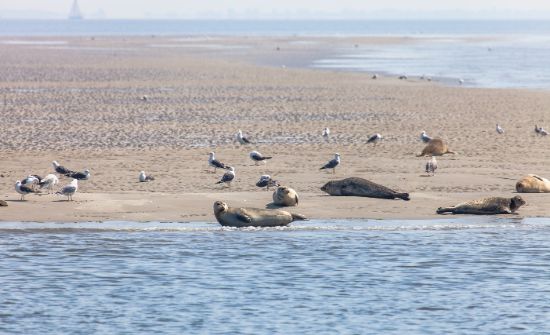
{"x": 253, "y": 217}
{"x": 486, "y": 206}
{"x": 285, "y": 196}
{"x": 436, "y": 147}
{"x": 533, "y": 184}
{"x": 360, "y": 187}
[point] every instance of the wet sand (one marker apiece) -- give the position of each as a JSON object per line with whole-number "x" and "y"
{"x": 78, "y": 103}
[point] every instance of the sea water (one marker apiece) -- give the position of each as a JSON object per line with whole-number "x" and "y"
{"x": 449, "y": 276}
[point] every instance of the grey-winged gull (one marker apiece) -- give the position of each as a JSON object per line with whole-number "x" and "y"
{"x": 61, "y": 169}
{"x": 267, "y": 182}
{"x": 326, "y": 133}
{"x": 79, "y": 175}
{"x": 69, "y": 190}
{"x": 424, "y": 137}
{"x": 499, "y": 129}
{"x": 333, "y": 163}
{"x": 375, "y": 138}
{"x": 431, "y": 166}
{"x": 216, "y": 164}
{"x": 23, "y": 190}
{"x": 241, "y": 138}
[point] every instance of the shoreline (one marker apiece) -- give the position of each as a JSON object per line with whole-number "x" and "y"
{"x": 81, "y": 106}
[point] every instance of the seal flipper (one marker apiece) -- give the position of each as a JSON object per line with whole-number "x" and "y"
{"x": 442, "y": 210}
{"x": 404, "y": 196}
{"x": 243, "y": 216}
{"x": 298, "y": 217}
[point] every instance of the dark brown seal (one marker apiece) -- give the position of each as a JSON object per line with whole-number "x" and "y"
{"x": 360, "y": 187}
{"x": 486, "y": 206}
{"x": 3, "y": 203}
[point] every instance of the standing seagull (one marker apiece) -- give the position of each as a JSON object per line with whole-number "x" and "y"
{"x": 228, "y": 177}
{"x": 145, "y": 178}
{"x": 267, "y": 182}
{"x": 216, "y": 164}
{"x": 424, "y": 137}
{"x": 431, "y": 166}
{"x": 242, "y": 140}
{"x": 79, "y": 175}
{"x": 375, "y": 139}
{"x": 257, "y": 157}
{"x": 23, "y": 190}
{"x": 326, "y": 133}
{"x": 60, "y": 169}
{"x": 48, "y": 182}
{"x": 31, "y": 181}
{"x": 499, "y": 129}
{"x": 69, "y": 190}
{"x": 332, "y": 164}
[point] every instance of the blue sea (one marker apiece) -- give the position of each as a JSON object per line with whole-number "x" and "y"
{"x": 492, "y": 53}
{"x": 449, "y": 276}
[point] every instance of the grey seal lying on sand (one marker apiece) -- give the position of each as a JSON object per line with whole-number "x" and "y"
{"x": 360, "y": 187}
{"x": 253, "y": 217}
{"x": 486, "y": 206}
{"x": 533, "y": 184}
{"x": 285, "y": 196}
{"x": 436, "y": 147}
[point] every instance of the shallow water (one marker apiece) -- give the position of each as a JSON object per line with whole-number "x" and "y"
{"x": 480, "y": 275}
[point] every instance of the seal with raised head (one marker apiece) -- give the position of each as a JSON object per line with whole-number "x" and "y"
{"x": 486, "y": 206}
{"x": 253, "y": 217}
{"x": 436, "y": 147}
{"x": 285, "y": 196}
{"x": 533, "y": 184}
{"x": 360, "y": 187}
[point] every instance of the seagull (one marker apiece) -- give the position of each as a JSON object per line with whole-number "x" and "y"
{"x": 375, "y": 76}
{"x": 61, "y": 169}
{"x": 23, "y": 190}
{"x": 537, "y": 130}
{"x": 144, "y": 98}
{"x": 242, "y": 140}
{"x": 542, "y": 131}
{"x": 499, "y": 129}
{"x": 326, "y": 133}
{"x": 460, "y": 81}
{"x": 267, "y": 182}
{"x": 431, "y": 166}
{"x": 31, "y": 181}
{"x": 228, "y": 177}
{"x": 79, "y": 175}
{"x": 48, "y": 182}
{"x": 213, "y": 162}
{"x": 69, "y": 190}
{"x": 424, "y": 137}
{"x": 403, "y": 77}
{"x": 144, "y": 178}
{"x": 257, "y": 157}
{"x": 375, "y": 139}
{"x": 332, "y": 164}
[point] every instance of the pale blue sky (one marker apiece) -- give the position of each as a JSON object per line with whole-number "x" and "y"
{"x": 282, "y": 8}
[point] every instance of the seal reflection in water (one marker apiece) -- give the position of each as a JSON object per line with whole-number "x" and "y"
{"x": 360, "y": 187}
{"x": 486, "y": 206}
{"x": 253, "y": 217}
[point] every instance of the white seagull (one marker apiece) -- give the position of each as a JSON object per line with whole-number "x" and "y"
{"x": 242, "y": 140}
{"x": 145, "y": 178}
{"x": 424, "y": 137}
{"x": 537, "y": 130}
{"x": 216, "y": 164}
{"x": 69, "y": 190}
{"x": 48, "y": 182}
{"x": 326, "y": 133}
{"x": 375, "y": 139}
{"x": 227, "y": 177}
{"x": 332, "y": 164}
{"x": 431, "y": 166}
{"x": 23, "y": 190}
{"x": 31, "y": 181}
{"x": 499, "y": 129}
{"x": 258, "y": 157}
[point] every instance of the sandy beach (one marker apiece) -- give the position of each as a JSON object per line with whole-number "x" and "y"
{"x": 76, "y": 100}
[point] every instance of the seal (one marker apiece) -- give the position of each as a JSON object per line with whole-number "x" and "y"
{"x": 3, "y": 203}
{"x": 533, "y": 184}
{"x": 253, "y": 217}
{"x": 486, "y": 206}
{"x": 436, "y": 147}
{"x": 285, "y": 196}
{"x": 360, "y": 187}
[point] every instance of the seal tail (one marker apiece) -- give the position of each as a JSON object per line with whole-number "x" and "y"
{"x": 404, "y": 196}
{"x": 298, "y": 217}
{"x": 442, "y": 210}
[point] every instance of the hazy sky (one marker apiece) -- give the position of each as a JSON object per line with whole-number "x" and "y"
{"x": 282, "y": 8}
